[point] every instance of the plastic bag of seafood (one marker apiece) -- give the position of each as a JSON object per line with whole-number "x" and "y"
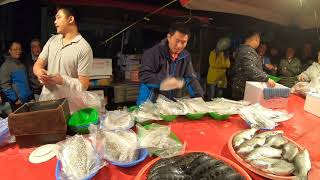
{"x": 258, "y": 116}
{"x": 169, "y": 107}
{"x": 117, "y": 146}
{"x": 226, "y": 106}
{"x": 146, "y": 112}
{"x": 118, "y": 120}
{"x": 195, "y": 105}
{"x": 159, "y": 140}
{"x": 78, "y": 158}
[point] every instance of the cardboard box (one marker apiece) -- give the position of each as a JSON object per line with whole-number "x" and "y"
{"x": 101, "y": 68}
{"x": 40, "y": 123}
{"x": 312, "y": 104}
{"x": 259, "y": 92}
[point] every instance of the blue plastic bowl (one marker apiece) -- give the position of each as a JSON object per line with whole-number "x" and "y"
{"x": 142, "y": 156}
{"x": 58, "y": 172}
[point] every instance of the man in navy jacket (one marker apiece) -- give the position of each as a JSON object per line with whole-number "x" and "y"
{"x": 168, "y": 60}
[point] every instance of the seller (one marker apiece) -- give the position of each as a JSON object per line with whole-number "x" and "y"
{"x": 66, "y": 59}
{"x": 167, "y": 63}
{"x": 248, "y": 66}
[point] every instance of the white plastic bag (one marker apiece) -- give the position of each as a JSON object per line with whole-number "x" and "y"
{"x": 226, "y": 106}
{"x": 147, "y": 111}
{"x": 5, "y": 137}
{"x": 117, "y": 146}
{"x": 77, "y": 99}
{"x": 264, "y": 118}
{"x": 195, "y": 105}
{"x": 118, "y": 120}
{"x": 78, "y": 158}
{"x": 159, "y": 141}
{"x": 168, "y": 107}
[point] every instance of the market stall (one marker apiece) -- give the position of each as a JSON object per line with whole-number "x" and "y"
{"x": 200, "y": 135}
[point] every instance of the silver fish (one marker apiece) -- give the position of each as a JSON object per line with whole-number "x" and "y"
{"x": 264, "y": 151}
{"x": 242, "y": 136}
{"x": 280, "y": 168}
{"x": 276, "y": 141}
{"x": 268, "y": 134}
{"x": 290, "y": 151}
{"x": 303, "y": 164}
{"x": 263, "y": 163}
{"x": 250, "y": 144}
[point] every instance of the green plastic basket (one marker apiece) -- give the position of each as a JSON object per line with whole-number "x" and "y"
{"x": 195, "y": 116}
{"x": 168, "y": 118}
{"x": 80, "y": 121}
{"x": 219, "y": 117}
{"x": 276, "y": 79}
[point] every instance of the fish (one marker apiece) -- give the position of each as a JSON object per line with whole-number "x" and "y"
{"x": 276, "y": 141}
{"x": 268, "y": 134}
{"x": 166, "y": 170}
{"x": 303, "y": 164}
{"x": 263, "y": 163}
{"x": 290, "y": 151}
{"x": 280, "y": 168}
{"x": 242, "y": 136}
{"x": 264, "y": 151}
{"x": 249, "y": 145}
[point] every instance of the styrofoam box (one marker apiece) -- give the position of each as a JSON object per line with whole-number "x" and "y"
{"x": 254, "y": 94}
{"x": 312, "y": 104}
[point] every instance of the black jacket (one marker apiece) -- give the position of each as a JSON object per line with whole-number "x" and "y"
{"x": 157, "y": 64}
{"x": 248, "y": 67}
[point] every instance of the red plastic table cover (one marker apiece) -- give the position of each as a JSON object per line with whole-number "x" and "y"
{"x": 202, "y": 135}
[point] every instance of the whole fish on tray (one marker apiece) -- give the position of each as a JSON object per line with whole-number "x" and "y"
{"x": 290, "y": 151}
{"x": 242, "y": 136}
{"x": 262, "y": 152}
{"x": 249, "y": 145}
{"x": 303, "y": 164}
{"x": 276, "y": 141}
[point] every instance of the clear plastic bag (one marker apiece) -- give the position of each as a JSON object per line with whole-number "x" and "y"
{"x": 169, "y": 107}
{"x": 77, "y": 99}
{"x": 264, "y": 118}
{"x": 226, "y": 106}
{"x": 315, "y": 85}
{"x": 116, "y": 146}
{"x": 195, "y": 105}
{"x": 159, "y": 140}
{"x": 118, "y": 120}
{"x": 301, "y": 88}
{"x": 147, "y": 111}
{"x": 78, "y": 158}
{"x": 5, "y": 137}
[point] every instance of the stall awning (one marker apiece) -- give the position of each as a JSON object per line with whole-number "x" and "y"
{"x": 2, "y": 2}
{"x": 303, "y": 13}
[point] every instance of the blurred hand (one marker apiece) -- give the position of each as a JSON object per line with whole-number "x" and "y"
{"x": 301, "y": 78}
{"x": 171, "y": 83}
{"x": 271, "y": 83}
{"x": 18, "y": 102}
{"x": 43, "y": 77}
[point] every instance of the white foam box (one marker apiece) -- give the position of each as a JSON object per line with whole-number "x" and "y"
{"x": 254, "y": 94}
{"x": 312, "y": 104}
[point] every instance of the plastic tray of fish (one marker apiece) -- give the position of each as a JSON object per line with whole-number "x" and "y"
{"x": 144, "y": 173}
{"x": 257, "y": 165}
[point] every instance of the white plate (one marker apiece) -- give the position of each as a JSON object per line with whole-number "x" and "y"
{"x": 43, "y": 153}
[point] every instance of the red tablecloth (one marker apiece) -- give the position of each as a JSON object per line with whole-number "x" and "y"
{"x": 204, "y": 135}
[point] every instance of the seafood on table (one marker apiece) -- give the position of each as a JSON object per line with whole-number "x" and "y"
{"x": 272, "y": 153}
{"x": 192, "y": 166}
